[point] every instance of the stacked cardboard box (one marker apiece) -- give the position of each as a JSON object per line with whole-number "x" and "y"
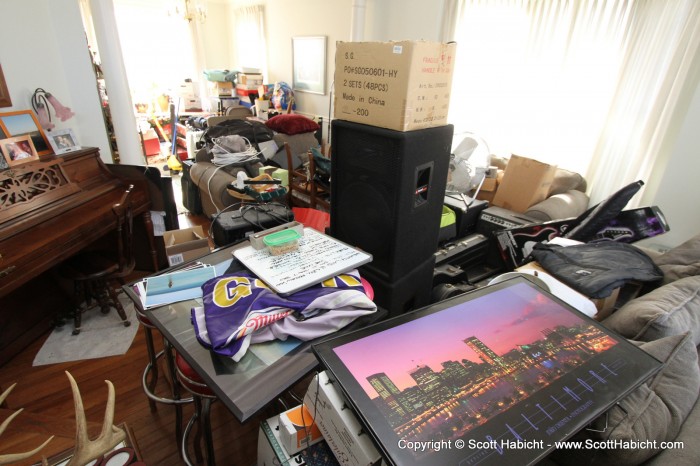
{"x": 397, "y": 85}
{"x": 525, "y": 183}
{"x": 221, "y": 88}
{"x": 186, "y": 244}
{"x": 271, "y": 450}
{"x": 188, "y": 92}
{"x": 249, "y": 80}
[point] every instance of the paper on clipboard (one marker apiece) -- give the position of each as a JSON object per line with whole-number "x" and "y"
{"x": 318, "y": 258}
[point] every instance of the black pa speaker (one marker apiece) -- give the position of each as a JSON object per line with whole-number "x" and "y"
{"x": 387, "y": 192}
{"x": 412, "y": 291}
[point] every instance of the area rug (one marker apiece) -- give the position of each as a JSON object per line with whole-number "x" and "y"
{"x": 101, "y": 335}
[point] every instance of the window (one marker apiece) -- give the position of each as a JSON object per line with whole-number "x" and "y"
{"x": 157, "y": 48}
{"x": 250, "y": 37}
{"x": 583, "y": 84}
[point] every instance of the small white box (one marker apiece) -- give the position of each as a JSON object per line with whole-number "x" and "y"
{"x": 272, "y": 453}
{"x": 298, "y": 429}
{"x": 338, "y": 425}
{"x": 188, "y": 90}
{"x": 270, "y": 450}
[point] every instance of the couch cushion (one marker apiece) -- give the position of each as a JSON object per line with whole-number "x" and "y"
{"x": 669, "y": 310}
{"x": 655, "y": 411}
{"x": 690, "y": 451}
{"x": 292, "y": 124}
{"x": 681, "y": 261}
{"x": 565, "y": 180}
{"x": 559, "y": 206}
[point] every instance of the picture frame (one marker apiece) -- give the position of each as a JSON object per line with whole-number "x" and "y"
{"x": 18, "y": 150}
{"x": 493, "y": 370}
{"x": 3, "y": 164}
{"x": 63, "y": 141}
{"x": 5, "y": 100}
{"x": 25, "y": 122}
{"x": 309, "y": 64}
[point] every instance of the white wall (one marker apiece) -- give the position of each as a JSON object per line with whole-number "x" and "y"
{"x": 217, "y": 43}
{"x": 678, "y": 190}
{"x": 384, "y": 20}
{"x": 42, "y": 44}
{"x": 285, "y": 20}
{"x": 403, "y": 20}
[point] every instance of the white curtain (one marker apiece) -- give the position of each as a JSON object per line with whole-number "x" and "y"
{"x": 590, "y": 86}
{"x": 660, "y": 72}
{"x": 249, "y": 38}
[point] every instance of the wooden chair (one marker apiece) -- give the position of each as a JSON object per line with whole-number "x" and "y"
{"x": 93, "y": 272}
{"x": 303, "y": 182}
{"x": 320, "y": 191}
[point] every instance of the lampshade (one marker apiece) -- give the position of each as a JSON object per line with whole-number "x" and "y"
{"x": 40, "y": 103}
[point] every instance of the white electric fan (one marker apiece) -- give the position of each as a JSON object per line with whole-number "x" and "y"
{"x": 468, "y": 163}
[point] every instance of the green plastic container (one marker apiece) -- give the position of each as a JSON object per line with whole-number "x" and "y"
{"x": 448, "y": 225}
{"x": 282, "y": 242}
{"x": 448, "y": 217}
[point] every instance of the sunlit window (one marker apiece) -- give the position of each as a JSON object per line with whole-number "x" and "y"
{"x": 157, "y": 48}
{"x": 537, "y": 78}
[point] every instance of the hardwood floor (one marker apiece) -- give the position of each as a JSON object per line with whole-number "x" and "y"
{"x": 44, "y": 393}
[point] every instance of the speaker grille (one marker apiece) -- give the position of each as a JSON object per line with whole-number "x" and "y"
{"x": 387, "y": 192}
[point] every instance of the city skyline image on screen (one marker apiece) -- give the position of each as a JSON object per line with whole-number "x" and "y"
{"x": 444, "y": 374}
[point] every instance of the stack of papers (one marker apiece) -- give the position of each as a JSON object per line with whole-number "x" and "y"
{"x": 176, "y": 286}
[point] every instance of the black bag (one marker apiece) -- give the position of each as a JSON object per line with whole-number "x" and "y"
{"x": 596, "y": 269}
{"x": 254, "y": 131}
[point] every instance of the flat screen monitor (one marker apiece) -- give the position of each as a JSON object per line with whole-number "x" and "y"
{"x": 495, "y": 376}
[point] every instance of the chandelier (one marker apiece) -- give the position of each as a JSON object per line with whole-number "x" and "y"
{"x": 191, "y": 10}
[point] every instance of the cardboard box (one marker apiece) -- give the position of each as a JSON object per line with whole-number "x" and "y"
{"x": 187, "y": 90}
{"x": 270, "y": 450}
{"x": 185, "y": 245}
{"x": 220, "y": 88}
{"x": 397, "y": 85}
{"x": 244, "y": 91}
{"x": 339, "y": 426}
{"x": 272, "y": 453}
{"x": 488, "y": 190}
{"x": 250, "y": 80}
{"x": 192, "y": 104}
{"x": 298, "y": 429}
{"x": 562, "y": 291}
{"x": 525, "y": 182}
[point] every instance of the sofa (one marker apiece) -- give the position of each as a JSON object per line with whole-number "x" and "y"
{"x": 211, "y": 180}
{"x": 664, "y": 322}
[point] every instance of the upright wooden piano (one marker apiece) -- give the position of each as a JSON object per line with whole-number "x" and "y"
{"x": 49, "y": 210}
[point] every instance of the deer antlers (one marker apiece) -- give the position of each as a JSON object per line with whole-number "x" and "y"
{"x": 86, "y": 449}
{"x": 15, "y": 457}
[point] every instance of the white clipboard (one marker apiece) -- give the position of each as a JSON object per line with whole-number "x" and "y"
{"x": 318, "y": 258}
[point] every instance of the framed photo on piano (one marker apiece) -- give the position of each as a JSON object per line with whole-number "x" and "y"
{"x": 63, "y": 141}
{"x": 25, "y": 122}
{"x": 18, "y": 150}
